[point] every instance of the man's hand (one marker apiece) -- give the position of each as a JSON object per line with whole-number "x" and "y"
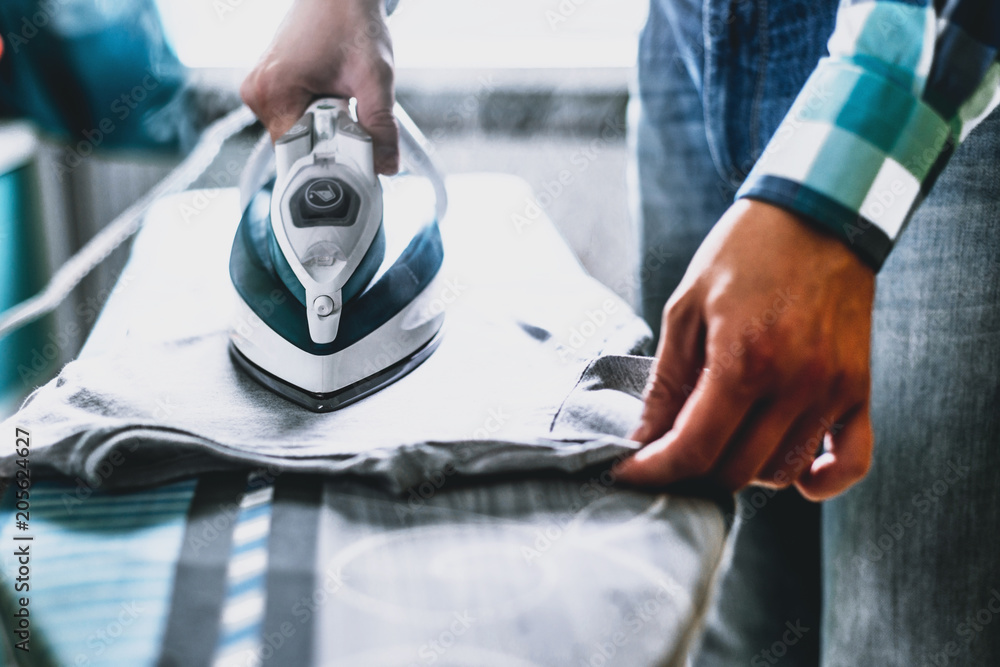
{"x": 329, "y": 47}
{"x": 764, "y": 352}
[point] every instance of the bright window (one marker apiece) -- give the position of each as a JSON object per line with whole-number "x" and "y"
{"x": 446, "y": 34}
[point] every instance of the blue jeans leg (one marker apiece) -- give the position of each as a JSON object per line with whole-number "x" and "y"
{"x": 910, "y": 564}
{"x": 772, "y": 577}
{"x": 680, "y": 192}
{"x": 912, "y": 554}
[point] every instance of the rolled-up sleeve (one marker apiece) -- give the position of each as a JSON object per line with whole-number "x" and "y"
{"x": 879, "y": 117}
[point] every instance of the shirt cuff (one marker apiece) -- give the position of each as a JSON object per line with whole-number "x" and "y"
{"x": 855, "y": 155}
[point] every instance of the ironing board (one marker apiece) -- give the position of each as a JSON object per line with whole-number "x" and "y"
{"x": 257, "y": 567}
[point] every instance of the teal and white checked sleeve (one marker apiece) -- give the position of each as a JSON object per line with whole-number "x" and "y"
{"x": 877, "y": 121}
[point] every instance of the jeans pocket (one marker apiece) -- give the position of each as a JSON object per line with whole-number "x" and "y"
{"x": 758, "y": 55}
{"x": 735, "y": 54}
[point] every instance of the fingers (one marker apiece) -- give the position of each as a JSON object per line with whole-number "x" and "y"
{"x": 755, "y": 444}
{"x": 795, "y": 452}
{"x": 674, "y": 373}
{"x": 846, "y": 460}
{"x": 704, "y": 426}
{"x": 376, "y": 98}
{"x": 279, "y": 106}
{"x": 324, "y": 49}
{"x": 274, "y": 100}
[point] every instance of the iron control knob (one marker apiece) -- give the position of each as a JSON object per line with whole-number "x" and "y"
{"x": 324, "y": 305}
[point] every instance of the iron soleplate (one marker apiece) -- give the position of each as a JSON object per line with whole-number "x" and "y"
{"x": 340, "y": 398}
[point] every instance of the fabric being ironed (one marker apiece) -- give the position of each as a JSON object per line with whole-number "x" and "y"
{"x": 536, "y": 370}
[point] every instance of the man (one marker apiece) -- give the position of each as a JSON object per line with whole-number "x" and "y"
{"x": 762, "y": 373}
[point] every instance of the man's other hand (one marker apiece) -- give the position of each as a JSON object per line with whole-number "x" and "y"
{"x": 764, "y": 354}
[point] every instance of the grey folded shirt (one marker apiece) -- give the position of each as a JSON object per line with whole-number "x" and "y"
{"x": 535, "y": 370}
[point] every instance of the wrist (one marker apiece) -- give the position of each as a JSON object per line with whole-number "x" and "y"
{"x": 800, "y": 238}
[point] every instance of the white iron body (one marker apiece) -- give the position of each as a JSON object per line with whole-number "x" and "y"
{"x": 326, "y": 218}
{"x": 402, "y": 337}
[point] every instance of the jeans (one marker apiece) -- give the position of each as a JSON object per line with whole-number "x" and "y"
{"x": 904, "y": 568}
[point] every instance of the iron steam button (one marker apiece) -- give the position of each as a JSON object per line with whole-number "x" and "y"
{"x": 323, "y": 305}
{"x": 326, "y": 196}
{"x": 324, "y": 201}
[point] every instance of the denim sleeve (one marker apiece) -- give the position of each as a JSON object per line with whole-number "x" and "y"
{"x": 878, "y": 119}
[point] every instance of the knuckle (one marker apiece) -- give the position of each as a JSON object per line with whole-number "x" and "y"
{"x": 672, "y": 310}
{"x": 382, "y": 72}
{"x": 265, "y": 93}
{"x": 657, "y": 389}
{"x": 381, "y": 119}
{"x": 757, "y": 367}
{"x": 677, "y": 310}
{"x": 250, "y": 90}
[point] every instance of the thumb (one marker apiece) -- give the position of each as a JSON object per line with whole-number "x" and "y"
{"x": 376, "y": 99}
{"x": 672, "y": 378}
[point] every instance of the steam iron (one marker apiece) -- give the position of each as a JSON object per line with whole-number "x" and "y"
{"x": 325, "y": 317}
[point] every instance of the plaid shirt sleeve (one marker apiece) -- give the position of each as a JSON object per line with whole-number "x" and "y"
{"x": 877, "y": 121}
